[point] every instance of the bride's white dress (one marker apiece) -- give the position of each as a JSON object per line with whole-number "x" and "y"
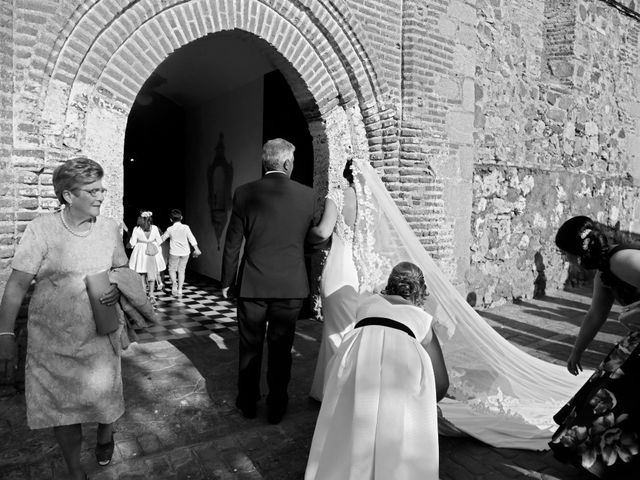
{"x": 498, "y": 393}
{"x": 338, "y": 290}
{"x": 378, "y": 419}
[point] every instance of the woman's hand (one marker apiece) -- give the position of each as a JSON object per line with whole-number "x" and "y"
{"x": 573, "y": 363}
{"x": 7, "y": 355}
{"x": 111, "y": 296}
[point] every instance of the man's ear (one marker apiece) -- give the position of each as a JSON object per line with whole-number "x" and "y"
{"x": 288, "y": 166}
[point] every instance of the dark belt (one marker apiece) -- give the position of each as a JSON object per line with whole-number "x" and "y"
{"x": 384, "y": 322}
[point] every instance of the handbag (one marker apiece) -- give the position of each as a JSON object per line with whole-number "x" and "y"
{"x": 105, "y": 316}
{"x": 152, "y": 249}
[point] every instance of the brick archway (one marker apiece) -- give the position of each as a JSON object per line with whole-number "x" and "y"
{"x": 86, "y": 83}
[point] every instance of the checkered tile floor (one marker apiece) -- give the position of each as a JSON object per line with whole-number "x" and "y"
{"x": 200, "y": 311}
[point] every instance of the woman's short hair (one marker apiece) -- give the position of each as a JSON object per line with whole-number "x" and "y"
{"x": 74, "y": 173}
{"x": 347, "y": 172}
{"x": 580, "y": 236}
{"x": 175, "y": 215}
{"x": 275, "y": 152}
{"x": 407, "y": 280}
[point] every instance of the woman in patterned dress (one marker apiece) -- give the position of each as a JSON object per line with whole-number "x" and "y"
{"x": 339, "y": 280}
{"x": 599, "y": 427}
{"x": 73, "y": 374}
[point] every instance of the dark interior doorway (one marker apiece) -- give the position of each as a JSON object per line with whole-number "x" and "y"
{"x": 282, "y": 118}
{"x": 154, "y": 159}
{"x": 155, "y": 150}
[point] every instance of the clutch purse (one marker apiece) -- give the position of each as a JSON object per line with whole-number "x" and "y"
{"x": 152, "y": 249}
{"x": 105, "y": 316}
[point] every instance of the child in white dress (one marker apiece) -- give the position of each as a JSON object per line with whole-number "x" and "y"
{"x": 146, "y": 257}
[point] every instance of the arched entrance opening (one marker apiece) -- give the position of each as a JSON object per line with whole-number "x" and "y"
{"x": 195, "y": 132}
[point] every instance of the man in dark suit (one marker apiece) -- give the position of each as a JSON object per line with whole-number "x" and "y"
{"x": 273, "y": 215}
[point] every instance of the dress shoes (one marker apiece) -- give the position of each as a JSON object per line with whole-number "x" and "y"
{"x": 249, "y": 410}
{"x": 276, "y": 412}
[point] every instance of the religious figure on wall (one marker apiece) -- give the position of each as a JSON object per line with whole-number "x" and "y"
{"x": 220, "y": 180}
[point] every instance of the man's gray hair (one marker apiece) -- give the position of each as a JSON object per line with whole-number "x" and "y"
{"x": 275, "y": 152}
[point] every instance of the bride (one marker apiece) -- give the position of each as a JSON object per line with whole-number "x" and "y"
{"x": 339, "y": 280}
{"x": 498, "y": 393}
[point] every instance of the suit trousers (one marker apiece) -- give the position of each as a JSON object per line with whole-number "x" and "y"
{"x": 277, "y": 319}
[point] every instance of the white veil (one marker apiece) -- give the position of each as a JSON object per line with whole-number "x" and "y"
{"x": 499, "y": 394}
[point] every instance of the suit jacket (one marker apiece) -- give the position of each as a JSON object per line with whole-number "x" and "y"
{"x": 273, "y": 215}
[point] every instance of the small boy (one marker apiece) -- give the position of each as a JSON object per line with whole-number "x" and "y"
{"x": 180, "y": 237}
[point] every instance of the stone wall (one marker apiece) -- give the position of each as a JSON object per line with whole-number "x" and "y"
{"x": 557, "y": 134}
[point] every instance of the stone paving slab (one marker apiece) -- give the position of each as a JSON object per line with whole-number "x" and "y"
{"x": 180, "y": 421}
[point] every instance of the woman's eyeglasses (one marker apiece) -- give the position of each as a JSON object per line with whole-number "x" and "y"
{"x": 93, "y": 191}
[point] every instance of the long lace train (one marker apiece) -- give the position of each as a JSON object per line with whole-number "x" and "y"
{"x": 498, "y": 394}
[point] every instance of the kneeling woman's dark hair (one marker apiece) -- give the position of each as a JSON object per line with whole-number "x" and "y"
{"x": 580, "y": 236}
{"x": 407, "y": 281}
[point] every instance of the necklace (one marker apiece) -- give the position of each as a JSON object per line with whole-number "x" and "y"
{"x": 77, "y": 234}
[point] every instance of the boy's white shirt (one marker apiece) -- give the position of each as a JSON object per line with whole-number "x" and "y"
{"x": 180, "y": 237}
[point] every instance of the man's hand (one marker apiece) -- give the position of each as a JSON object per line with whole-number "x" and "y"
{"x": 111, "y": 296}
{"x": 225, "y": 292}
{"x": 8, "y": 356}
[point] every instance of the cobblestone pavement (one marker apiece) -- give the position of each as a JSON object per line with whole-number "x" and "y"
{"x": 180, "y": 421}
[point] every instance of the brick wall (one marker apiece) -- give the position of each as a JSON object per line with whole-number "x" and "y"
{"x": 382, "y": 22}
{"x": 477, "y": 113}
{"x": 7, "y": 188}
{"x": 78, "y": 67}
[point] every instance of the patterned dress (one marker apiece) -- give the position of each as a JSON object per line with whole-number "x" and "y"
{"x": 600, "y": 425}
{"x": 72, "y": 374}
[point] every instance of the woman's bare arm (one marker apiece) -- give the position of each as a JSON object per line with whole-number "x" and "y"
{"x": 439, "y": 368}
{"x": 601, "y": 302}
{"x": 324, "y": 229}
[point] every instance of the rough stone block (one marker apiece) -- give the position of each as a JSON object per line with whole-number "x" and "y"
{"x": 462, "y": 12}
{"x": 561, "y": 68}
{"x": 149, "y": 443}
{"x": 447, "y": 27}
{"x": 460, "y": 127}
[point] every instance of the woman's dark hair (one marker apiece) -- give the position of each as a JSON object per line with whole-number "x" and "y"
{"x": 347, "y": 173}
{"x": 145, "y": 220}
{"x": 175, "y": 215}
{"x": 407, "y": 281}
{"x": 580, "y": 236}
{"x": 74, "y": 173}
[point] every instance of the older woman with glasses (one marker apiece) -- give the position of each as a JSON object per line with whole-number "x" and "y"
{"x": 73, "y": 373}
